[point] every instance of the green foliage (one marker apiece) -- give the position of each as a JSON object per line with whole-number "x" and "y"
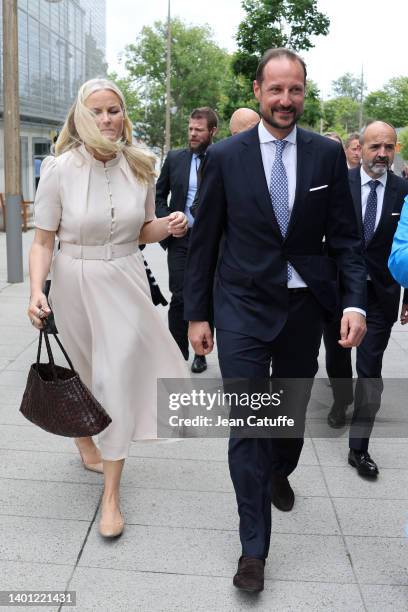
{"x": 275, "y": 23}
{"x": 403, "y": 139}
{"x": 133, "y": 104}
{"x": 313, "y": 109}
{"x": 199, "y": 74}
{"x": 348, "y": 86}
{"x": 235, "y": 96}
{"x": 389, "y": 104}
{"x": 341, "y": 115}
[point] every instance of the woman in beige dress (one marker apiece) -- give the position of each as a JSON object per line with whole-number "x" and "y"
{"x": 97, "y": 195}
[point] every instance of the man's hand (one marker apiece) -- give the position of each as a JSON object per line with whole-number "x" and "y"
{"x": 352, "y": 329}
{"x": 404, "y": 314}
{"x": 178, "y": 224}
{"x": 200, "y": 336}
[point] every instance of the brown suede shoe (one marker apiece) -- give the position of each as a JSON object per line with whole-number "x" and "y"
{"x": 250, "y": 575}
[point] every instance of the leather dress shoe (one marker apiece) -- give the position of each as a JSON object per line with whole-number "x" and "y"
{"x": 283, "y": 496}
{"x": 363, "y": 462}
{"x": 199, "y": 364}
{"x": 337, "y": 416}
{"x": 250, "y": 575}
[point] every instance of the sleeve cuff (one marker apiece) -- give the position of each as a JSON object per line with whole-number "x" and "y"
{"x": 353, "y": 309}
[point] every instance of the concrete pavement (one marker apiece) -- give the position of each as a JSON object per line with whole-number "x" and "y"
{"x": 342, "y": 548}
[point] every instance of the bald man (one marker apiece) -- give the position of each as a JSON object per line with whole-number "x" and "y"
{"x": 378, "y": 196}
{"x": 243, "y": 119}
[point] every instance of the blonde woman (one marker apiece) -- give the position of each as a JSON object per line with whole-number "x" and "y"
{"x": 97, "y": 195}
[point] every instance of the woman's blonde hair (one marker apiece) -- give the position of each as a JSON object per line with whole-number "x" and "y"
{"x": 80, "y": 128}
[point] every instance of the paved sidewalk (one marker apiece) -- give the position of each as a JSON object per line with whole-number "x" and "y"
{"x": 343, "y": 548}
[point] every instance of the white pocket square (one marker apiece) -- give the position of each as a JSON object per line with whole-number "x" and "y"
{"x": 317, "y": 188}
{"x": 395, "y": 214}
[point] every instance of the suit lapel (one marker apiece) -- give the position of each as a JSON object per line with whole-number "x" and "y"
{"x": 390, "y": 194}
{"x": 304, "y": 171}
{"x": 355, "y": 188}
{"x": 185, "y": 173}
{"x": 254, "y": 169}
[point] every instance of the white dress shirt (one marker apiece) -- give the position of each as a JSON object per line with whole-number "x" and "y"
{"x": 289, "y": 158}
{"x": 365, "y": 190}
{"x": 192, "y": 187}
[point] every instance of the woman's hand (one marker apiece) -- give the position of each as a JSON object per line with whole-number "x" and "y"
{"x": 38, "y": 310}
{"x": 178, "y": 224}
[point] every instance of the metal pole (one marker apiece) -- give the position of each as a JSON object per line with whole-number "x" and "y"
{"x": 360, "y": 114}
{"x": 12, "y": 143}
{"x": 168, "y": 86}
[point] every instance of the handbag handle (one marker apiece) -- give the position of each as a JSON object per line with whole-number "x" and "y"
{"x": 49, "y": 351}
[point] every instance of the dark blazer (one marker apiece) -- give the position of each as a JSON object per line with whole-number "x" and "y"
{"x": 378, "y": 249}
{"x": 250, "y": 294}
{"x": 174, "y": 178}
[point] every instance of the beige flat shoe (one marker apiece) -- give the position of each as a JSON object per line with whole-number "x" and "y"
{"x": 92, "y": 467}
{"x": 111, "y": 529}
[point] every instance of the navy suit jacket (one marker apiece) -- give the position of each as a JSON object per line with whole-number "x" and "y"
{"x": 250, "y": 292}
{"x": 378, "y": 249}
{"x": 174, "y": 178}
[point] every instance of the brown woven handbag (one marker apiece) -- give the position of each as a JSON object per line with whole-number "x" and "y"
{"x": 56, "y": 399}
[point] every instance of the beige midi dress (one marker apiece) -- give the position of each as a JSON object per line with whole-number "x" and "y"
{"x": 116, "y": 338}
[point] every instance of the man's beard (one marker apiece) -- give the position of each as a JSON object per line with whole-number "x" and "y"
{"x": 201, "y": 148}
{"x": 269, "y": 119}
{"x": 379, "y": 170}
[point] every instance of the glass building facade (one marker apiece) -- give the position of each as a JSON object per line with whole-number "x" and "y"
{"x": 61, "y": 45}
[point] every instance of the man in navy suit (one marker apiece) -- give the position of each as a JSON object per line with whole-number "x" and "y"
{"x": 378, "y": 196}
{"x": 178, "y": 177}
{"x": 274, "y": 192}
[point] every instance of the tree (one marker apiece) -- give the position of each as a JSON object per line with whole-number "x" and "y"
{"x": 313, "y": 109}
{"x": 133, "y": 103}
{"x": 348, "y": 86}
{"x": 200, "y": 69}
{"x": 403, "y": 138}
{"x": 389, "y": 104}
{"x": 341, "y": 115}
{"x": 276, "y": 23}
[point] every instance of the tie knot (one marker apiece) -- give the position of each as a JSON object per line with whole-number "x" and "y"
{"x": 373, "y": 185}
{"x": 280, "y": 145}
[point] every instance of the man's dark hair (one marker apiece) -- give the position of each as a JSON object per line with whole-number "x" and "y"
{"x": 349, "y": 139}
{"x": 274, "y": 53}
{"x": 205, "y": 112}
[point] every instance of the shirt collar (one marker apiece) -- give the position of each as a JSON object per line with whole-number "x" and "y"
{"x": 266, "y": 136}
{"x": 365, "y": 178}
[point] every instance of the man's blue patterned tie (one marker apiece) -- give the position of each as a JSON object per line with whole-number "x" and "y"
{"x": 370, "y": 211}
{"x": 279, "y": 191}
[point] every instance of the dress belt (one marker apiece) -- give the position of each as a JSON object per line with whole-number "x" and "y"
{"x": 99, "y": 251}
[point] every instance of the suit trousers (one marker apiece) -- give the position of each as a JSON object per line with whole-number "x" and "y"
{"x": 176, "y": 260}
{"x": 369, "y": 385}
{"x": 292, "y": 354}
{"x": 338, "y": 364}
